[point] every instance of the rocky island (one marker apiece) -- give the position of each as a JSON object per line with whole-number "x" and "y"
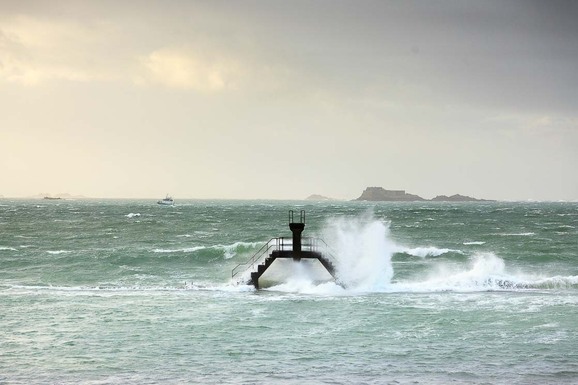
{"x": 379, "y": 194}
{"x": 456, "y": 198}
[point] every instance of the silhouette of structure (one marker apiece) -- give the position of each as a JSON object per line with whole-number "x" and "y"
{"x": 297, "y": 248}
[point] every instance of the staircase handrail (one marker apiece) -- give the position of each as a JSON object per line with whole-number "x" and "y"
{"x": 263, "y": 250}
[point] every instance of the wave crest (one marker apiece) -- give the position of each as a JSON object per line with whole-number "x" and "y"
{"x": 229, "y": 251}
{"x": 485, "y": 272}
{"x": 424, "y": 252}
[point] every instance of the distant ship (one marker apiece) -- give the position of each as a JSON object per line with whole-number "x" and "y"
{"x": 167, "y": 201}
{"x": 53, "y": 198}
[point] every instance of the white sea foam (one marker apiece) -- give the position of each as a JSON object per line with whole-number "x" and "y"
{"x": 424, "y": 252}
{"x": 181, "y": 250}
{"x": 528, "y": 234}
{"x": 56, "y": 252}
{"x": 474, "y": 243}
{"x": 113, "y": 289}
{"x": 304, "y": 286}
{"x": 7, "y": 248}
{"x": 555, "y": 282}
{"x": 132, "y": 215}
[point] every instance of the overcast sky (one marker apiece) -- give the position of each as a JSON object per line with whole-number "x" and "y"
{"x": 283, "y": 99}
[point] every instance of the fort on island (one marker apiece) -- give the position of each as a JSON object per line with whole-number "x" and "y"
{"x": 379, "y": 194}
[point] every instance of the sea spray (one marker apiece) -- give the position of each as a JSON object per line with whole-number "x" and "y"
{"x": 484, "y": 271}
{"x": 363, "y": 250}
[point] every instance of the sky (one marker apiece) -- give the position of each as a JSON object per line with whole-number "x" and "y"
{"x": 255, "y": 99}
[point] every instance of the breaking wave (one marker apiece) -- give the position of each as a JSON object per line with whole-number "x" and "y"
{"x": 364, "y": 251}
{"x": 484, "y": 272}
{"x": 229, "y": 251}
{"x": 181, "y": 250}
{"x": 424, "y": 252}
{"x": 527, "y": 234}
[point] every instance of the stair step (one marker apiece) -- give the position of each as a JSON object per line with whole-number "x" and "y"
{"x": 255, "y": 279}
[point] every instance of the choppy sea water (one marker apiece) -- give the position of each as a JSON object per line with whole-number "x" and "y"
{"x": 130, "y": 292}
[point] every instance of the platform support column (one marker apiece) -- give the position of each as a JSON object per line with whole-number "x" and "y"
{"x": 297, "y": 229}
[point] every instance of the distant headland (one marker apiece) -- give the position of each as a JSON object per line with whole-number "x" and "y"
{"x": 379, "y": 194}
{"x": 60, "y": 196}
{"x": 317, "y": 197}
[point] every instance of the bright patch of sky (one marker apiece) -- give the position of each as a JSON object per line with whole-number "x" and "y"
{"x": 272, "y": 99}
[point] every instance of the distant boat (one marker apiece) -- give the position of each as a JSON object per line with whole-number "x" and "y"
{"x": 53, "y": 198}
{"x": 167, "y": 201}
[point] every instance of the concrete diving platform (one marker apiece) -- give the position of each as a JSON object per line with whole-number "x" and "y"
{"x": 295, "y": 248}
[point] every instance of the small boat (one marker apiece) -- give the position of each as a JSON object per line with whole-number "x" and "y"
{"x": 166, "y": 201}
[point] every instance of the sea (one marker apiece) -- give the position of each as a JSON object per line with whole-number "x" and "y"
{"x": 132, "y": 292}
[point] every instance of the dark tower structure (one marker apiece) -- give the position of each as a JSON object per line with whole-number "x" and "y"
{"x": 297, "y": 228}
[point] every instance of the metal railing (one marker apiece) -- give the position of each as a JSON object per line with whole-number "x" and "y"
{"x": 285, "y": 244}
{"x": 257, "y": 256}
{"x": 301, "y": 216}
